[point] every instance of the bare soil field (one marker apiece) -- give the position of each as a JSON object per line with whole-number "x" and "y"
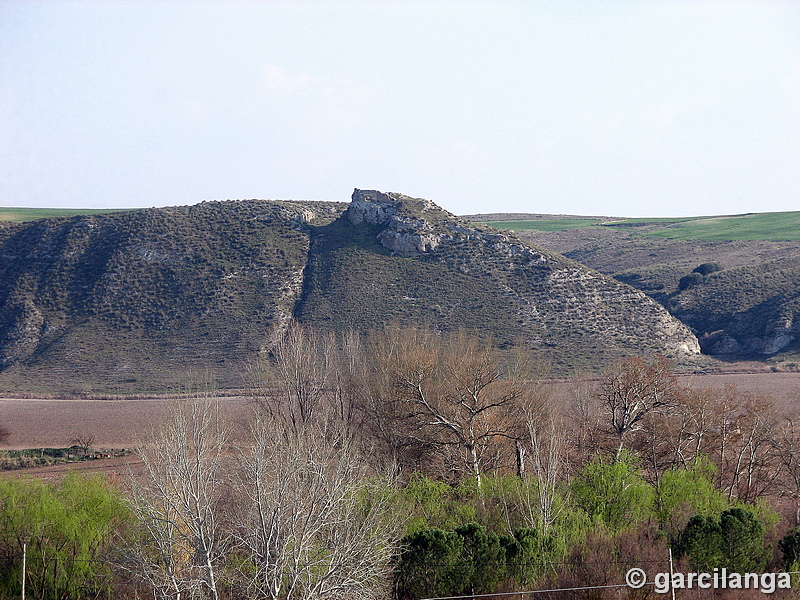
{"x": 114, "y": 424}
{"x": 783, "y": 388}
{"x": 117, "y": 424}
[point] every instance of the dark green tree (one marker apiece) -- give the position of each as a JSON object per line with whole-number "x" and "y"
{"x": 743, "y": 541}
{"x": 790, "y": 547}
{"x": 524, "y": 554}
{"x": 701, "y": 542}
{"x": 482, "y": 560}
{"x": 735, "y": 541}
{"x": 707, "y": 268}
{"x": 429, "y": 564}
{"x": 690, "y": 280}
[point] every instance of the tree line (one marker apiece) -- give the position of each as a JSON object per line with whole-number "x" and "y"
{"x": 410, "y": 463}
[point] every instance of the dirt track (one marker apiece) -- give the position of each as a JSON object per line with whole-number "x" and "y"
{"x": 115, "y": 467}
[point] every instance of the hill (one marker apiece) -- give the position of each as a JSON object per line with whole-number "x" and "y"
{"x": 746, "y": 309}
{"x": 139, "y": 300}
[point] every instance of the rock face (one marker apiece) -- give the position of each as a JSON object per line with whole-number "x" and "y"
{"x": 403, "y": 233}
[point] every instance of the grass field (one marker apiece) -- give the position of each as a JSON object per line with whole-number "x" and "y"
{"x": 775, "y": 227}
{"x": 31, "y": 214}
{"x": 544, "y": 225}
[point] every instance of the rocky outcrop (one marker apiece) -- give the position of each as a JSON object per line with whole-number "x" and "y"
{"x": 403, "y": 233}
{"x": 140, "y": 299}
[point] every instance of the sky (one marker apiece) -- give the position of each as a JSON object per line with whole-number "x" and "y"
{"x": 620, "y": 108}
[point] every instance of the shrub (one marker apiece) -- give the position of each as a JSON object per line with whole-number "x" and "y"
{"x": 790, "y": 547}
{"x": 65, "y": 528}
{"x": 469, "y": 560}
{"x": 613, "y": 491}
{"x": 707, "y": 268}
{"x": 685, "y": 492}
{"x": 690, "y": 280}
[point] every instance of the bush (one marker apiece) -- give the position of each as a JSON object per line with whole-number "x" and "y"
{"x": 429, "y": 563}
{"x": 469, "y": 560}
{"x": 790, "y": 547}
{"x": 690, "y": 280}
{"x": 613, "y": 492}
{"x": 65, "y": 528}
{"x": 707, "y": 268}
{"x": 686, "y": 492}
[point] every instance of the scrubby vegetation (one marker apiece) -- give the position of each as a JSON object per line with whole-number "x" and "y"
{"x": 11, "y": 214}
{"x": 729, "y": 278}
{"x": 11, "y": 460}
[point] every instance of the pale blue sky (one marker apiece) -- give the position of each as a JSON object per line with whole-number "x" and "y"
{"x": 637, "y": 108}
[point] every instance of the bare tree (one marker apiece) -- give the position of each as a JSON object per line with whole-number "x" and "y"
{"x": 751, "y": 466}
{"x": 176, "y": 502}
{"x": 453, "y": 392}
{"x": 291, "y": 382}
{"x": 545, "y": 429}
{"x": 633, "y": 390}
{"x": 584, "y": 412}
{"x": 314, "y": 525}
{"x": 787, "y": 447}
{"x": 84, "y": 440}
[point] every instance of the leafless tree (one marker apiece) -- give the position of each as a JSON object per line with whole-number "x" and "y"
{"x": 314, "y": 526}
{"x": 751, "y": 466}
{"x": 179, "y": 545}
{"x": 545, "y": 428}
{"x": 584, "y": 412}
{"x": 83, "y": 440}
{"x": 787, "y": 447}
{"x": 633, "y": 390}
{"x": 451, "y": 392}
{"x": 290, "y": 383}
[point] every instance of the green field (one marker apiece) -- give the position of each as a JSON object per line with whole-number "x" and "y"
{"x": 31, "y": 214}
{"x": 778, "y": 226}
{"x": 544, "y": 224}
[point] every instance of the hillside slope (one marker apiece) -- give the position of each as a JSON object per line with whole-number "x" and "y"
{"x": 150, "y": 299}
{"x": 139, "y": 299}
{"x": 394, "y": 258}
{"x": 749, "y": 309}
